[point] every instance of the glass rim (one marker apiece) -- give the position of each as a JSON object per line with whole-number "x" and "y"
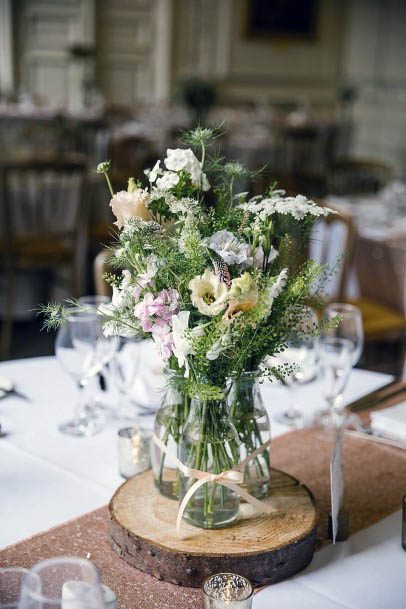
{"x": 134, "y": 430}
{"x": 250, "y": 587}
{"x": 70, "y": 560}
{"x": 343, "y": 307}
{"x": 75, "y": 314}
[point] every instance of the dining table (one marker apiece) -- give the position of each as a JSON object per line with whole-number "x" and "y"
{"x": 47, "y": 478}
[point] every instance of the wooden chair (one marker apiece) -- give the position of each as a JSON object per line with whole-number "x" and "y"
{"x": 383, "y": 325}
{"x": 357, "y": 176}
{"x": 44, "y": 225}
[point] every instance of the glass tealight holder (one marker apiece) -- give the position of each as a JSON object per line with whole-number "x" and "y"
{"x": 227, "y": 591}
{"x": 134, "y": 450}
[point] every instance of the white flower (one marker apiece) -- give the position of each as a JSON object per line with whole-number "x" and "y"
{"x": 180, "y": 159}
{"x": 226, "y": 245}
{"x": 168, "y": 180}
{"x": 144, "y": 279}
{"x": 185, "y": 205}
{"x": 276, "y": 288}
{"x": 127, "y": 205}
{"x": 154, "y": 172}
{"x": 209, "y": 294}
{"x": 220, "y": 345}
{"x": 298, "y": 207}
{"x": 181, "y": 343}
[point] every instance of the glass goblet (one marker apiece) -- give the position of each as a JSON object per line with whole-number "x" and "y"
{"x": 301, "y": 353}
{"x": 350, "y": 327}
{"x": 65, "y": 583}
{"x": 10, "y": 586}
{"x": 78, "y": 341}
{"x": 123, "y": 368}
{"x": 335, "y": 367}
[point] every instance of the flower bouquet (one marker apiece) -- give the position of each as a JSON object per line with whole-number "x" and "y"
{"x": 218, "y": 281}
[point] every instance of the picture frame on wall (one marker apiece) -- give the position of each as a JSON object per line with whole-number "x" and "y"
{"x": 282, "y": 19}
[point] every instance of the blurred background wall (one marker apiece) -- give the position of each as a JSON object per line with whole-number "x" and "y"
{"x": 143, "y": 48}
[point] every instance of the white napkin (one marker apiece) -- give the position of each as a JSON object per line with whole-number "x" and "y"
{"x": 390, "y": 422}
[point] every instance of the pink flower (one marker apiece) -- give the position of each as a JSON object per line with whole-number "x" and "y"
{"x": 163, "y": 338}
{"x": 157, "y": 311}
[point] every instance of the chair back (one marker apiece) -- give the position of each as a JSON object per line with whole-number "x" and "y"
{"x": 42, "y": 199}
{"x": 332, "y": 242}
{"x": 358, "y": 176}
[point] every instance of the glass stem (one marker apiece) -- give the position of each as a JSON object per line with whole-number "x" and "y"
{"x": 292, "y": 410}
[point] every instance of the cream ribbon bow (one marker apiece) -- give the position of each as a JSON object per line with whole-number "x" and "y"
{"x": 231, "y": 478}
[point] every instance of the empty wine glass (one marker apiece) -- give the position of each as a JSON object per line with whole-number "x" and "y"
{"x": 11, "y": 580}
{"x": 123, "y": 368}
{"x": 301, "y": 354}
{"x": 64, "y": 583}
{"x": 349, "y": 327}
{"x": 336, "y": 356}
{"x": 82, "y": 350}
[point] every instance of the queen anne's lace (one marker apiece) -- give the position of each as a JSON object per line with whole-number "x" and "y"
{"x": 298, "y": 207}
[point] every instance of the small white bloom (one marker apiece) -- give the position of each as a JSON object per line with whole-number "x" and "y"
{"x": 226, "y": 245}
{"x": 277, "y": 286}
{"x": 180, "y": 159}
{"x": 143, "y": 279}
{"x": 220, "y": 345}
{"x": 168, "y": 180}
{"x": 182, "y": 347}
{"x": 155, "y": 172}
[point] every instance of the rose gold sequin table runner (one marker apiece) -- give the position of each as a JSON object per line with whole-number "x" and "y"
{"x": 375, "y": 479}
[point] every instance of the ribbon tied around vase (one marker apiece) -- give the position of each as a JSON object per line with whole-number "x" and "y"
{"x": 232, "y": 478}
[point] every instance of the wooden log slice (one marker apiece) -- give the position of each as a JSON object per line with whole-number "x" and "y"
{"x": 264, "y": 548}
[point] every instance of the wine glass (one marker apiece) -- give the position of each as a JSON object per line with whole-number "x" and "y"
{"x": 350, "y": 326}
{"x": 10, "y": 586}
{"x": 301, "y": 354}
{"x": 336, "y": 357}
{"x": 62, "y": 583}
{"x": 90, "y": 303}
{"x": 82, "y": 350}
{"x": 123, "y": 368}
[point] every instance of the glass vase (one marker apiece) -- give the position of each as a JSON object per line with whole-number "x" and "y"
{"x": 169, "y": 422}
{"x": 250, "y": 419}
{"x": 209, "y": 443}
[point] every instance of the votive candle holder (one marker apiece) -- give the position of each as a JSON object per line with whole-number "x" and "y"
{"x": 227, "y": 591}
{"x": 134, "y": 450}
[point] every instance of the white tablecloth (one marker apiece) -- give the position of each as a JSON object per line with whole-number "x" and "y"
{"x": 47, "y": 478}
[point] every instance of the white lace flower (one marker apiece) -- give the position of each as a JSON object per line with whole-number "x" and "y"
{"x": 209, "y": 294}
{"x": 185, "y": 205}
{"x": 298, "y": 207}
{"x": 226, "y": 245}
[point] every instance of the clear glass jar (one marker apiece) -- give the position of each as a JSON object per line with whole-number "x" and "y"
{"x": 209, "y": 443}
{"x": 169, "y": 422}
{"x": 250, "y": 419}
